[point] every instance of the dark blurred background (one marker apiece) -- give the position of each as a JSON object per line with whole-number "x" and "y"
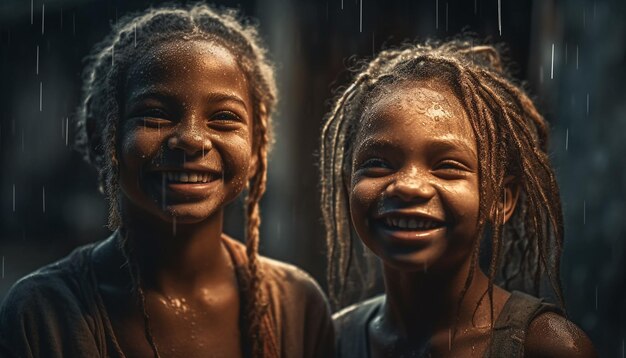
{"x": 571, "y": 54}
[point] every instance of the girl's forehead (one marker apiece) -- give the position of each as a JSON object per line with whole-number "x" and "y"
{"x": 418, "y": 103}
{"x": 183, "y": 54}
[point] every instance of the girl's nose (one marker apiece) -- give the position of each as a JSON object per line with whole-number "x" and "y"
{"x": 189, "y": 139}
{"x": 411, "y": 187}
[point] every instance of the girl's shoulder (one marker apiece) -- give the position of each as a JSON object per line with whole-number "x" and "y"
{"x": 552, "y": 335}
{"x": 45, "y": 308}
{"x": 529, "y": 326}
{"x": 351, "y": 327}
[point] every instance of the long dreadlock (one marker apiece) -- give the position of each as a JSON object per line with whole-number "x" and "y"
{"x": 98, "y": 118}
{"x": 512, "y": 139}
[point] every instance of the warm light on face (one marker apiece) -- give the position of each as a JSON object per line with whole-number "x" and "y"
{"x": 185, "y": 134}
{"x": 414, "y": 193}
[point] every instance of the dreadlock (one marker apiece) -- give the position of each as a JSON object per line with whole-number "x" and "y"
{"x": 99, "y": 114}
{"x": 512, "y": 139}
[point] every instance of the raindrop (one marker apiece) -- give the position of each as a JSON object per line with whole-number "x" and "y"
{"x": 437, "y": 14}
{"x": 37, "y": 66}
{"x": 13, "y": 197}
{"x": 587, "y": 104}
{"x": 43, "y": 198}
{"x": 576, "y": 56}
{"x": 341, "y": 4}
{"x": 43, "y": 16}
{"x": 135, "y": 35}
{"x": 566, "y": 138}
{"x": 566, "y": 53}
{"x": 596, "y": 297}
{"x": 584, "y": 212}
{"x": 552, "y": 64}
{"x": 31, "y": 12}
{"x": 74, "y": 24}
{"x": 361, "y": 16}
{"x": 40, "y": 96}
{"x": 66, "y": 131}
{"x": 500, "y": 16}
{"x": 475, "y": 7}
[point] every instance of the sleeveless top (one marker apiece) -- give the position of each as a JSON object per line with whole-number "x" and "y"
{"x": 509, "y": 331}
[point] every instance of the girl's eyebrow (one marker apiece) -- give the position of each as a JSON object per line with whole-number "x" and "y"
{"x": 216, "y": 97}
{"x": 447, "y": 144}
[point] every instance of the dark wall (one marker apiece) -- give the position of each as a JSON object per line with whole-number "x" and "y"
{"x": 49, "y": 201}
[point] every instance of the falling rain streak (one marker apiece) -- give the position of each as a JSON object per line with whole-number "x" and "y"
{"x": 500, "y": 16}
{"x": 66, "y": 131}
{"x": 31, "y": 12}
{"x": 13, "y": 197}
{"x": 40, "y": 96}
{"x": 437, "y": 14}
{"x": 552, "y": 64}
{"x": 37, "y": 66}
{"x": 2, "y": 266}
{"x": 446, "y": 17}
{"x": 361, "y": 16}
{"x": 596, "y": 297}
{"x": 576, "y": 56}
{"x": 43, "y": 199}
{"x": 43, "y": 16}
{"x": 584, "y": 212}
{"x": 566, "y": 138}
{"x": 587, "y": 104}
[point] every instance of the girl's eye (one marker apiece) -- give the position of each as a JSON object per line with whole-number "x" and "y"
{"x": 375, "y": 163}
{"x": 451, "y": 167}
{"x": 155, "y": 113}
{"x": 225, "y": 116}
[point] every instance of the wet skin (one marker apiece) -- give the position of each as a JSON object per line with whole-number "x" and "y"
{"x": 185, "y": 151}
{"x": 414, "y": 199}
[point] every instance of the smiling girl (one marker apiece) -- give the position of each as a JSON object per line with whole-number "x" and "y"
{"x": 176, "y": 119}
{"x": 429, "y": 151}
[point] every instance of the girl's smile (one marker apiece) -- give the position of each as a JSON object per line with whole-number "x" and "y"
{"x": 185, "y": 147}
{"x": 414, "y": 187}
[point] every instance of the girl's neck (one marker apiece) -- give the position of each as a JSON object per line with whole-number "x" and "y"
{"x": 177, "y": 258}
{"x": 421, "y": 303}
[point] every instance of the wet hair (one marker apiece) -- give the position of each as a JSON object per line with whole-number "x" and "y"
{"x": 99, "y": 116}
{"x": 512, "y": 139}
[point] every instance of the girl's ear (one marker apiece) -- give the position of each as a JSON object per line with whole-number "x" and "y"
{"x": 511, "y": 194}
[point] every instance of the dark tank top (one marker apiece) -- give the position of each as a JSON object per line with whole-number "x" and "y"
{"x": 509, "y": 331}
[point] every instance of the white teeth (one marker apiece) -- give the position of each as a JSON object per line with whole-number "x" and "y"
{"x": 187, "y": 177}
{"x": 411, "y": 223}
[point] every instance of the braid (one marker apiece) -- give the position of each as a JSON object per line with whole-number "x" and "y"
{"x": 256, "y": 307}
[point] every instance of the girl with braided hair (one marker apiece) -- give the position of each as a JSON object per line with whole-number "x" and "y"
{"x": 176, "y": 119}
{"x": 431, "y": 150}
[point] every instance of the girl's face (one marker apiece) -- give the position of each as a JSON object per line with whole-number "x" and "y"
{"x": 185, "y": 143}
{"x": 414, "y": 186}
